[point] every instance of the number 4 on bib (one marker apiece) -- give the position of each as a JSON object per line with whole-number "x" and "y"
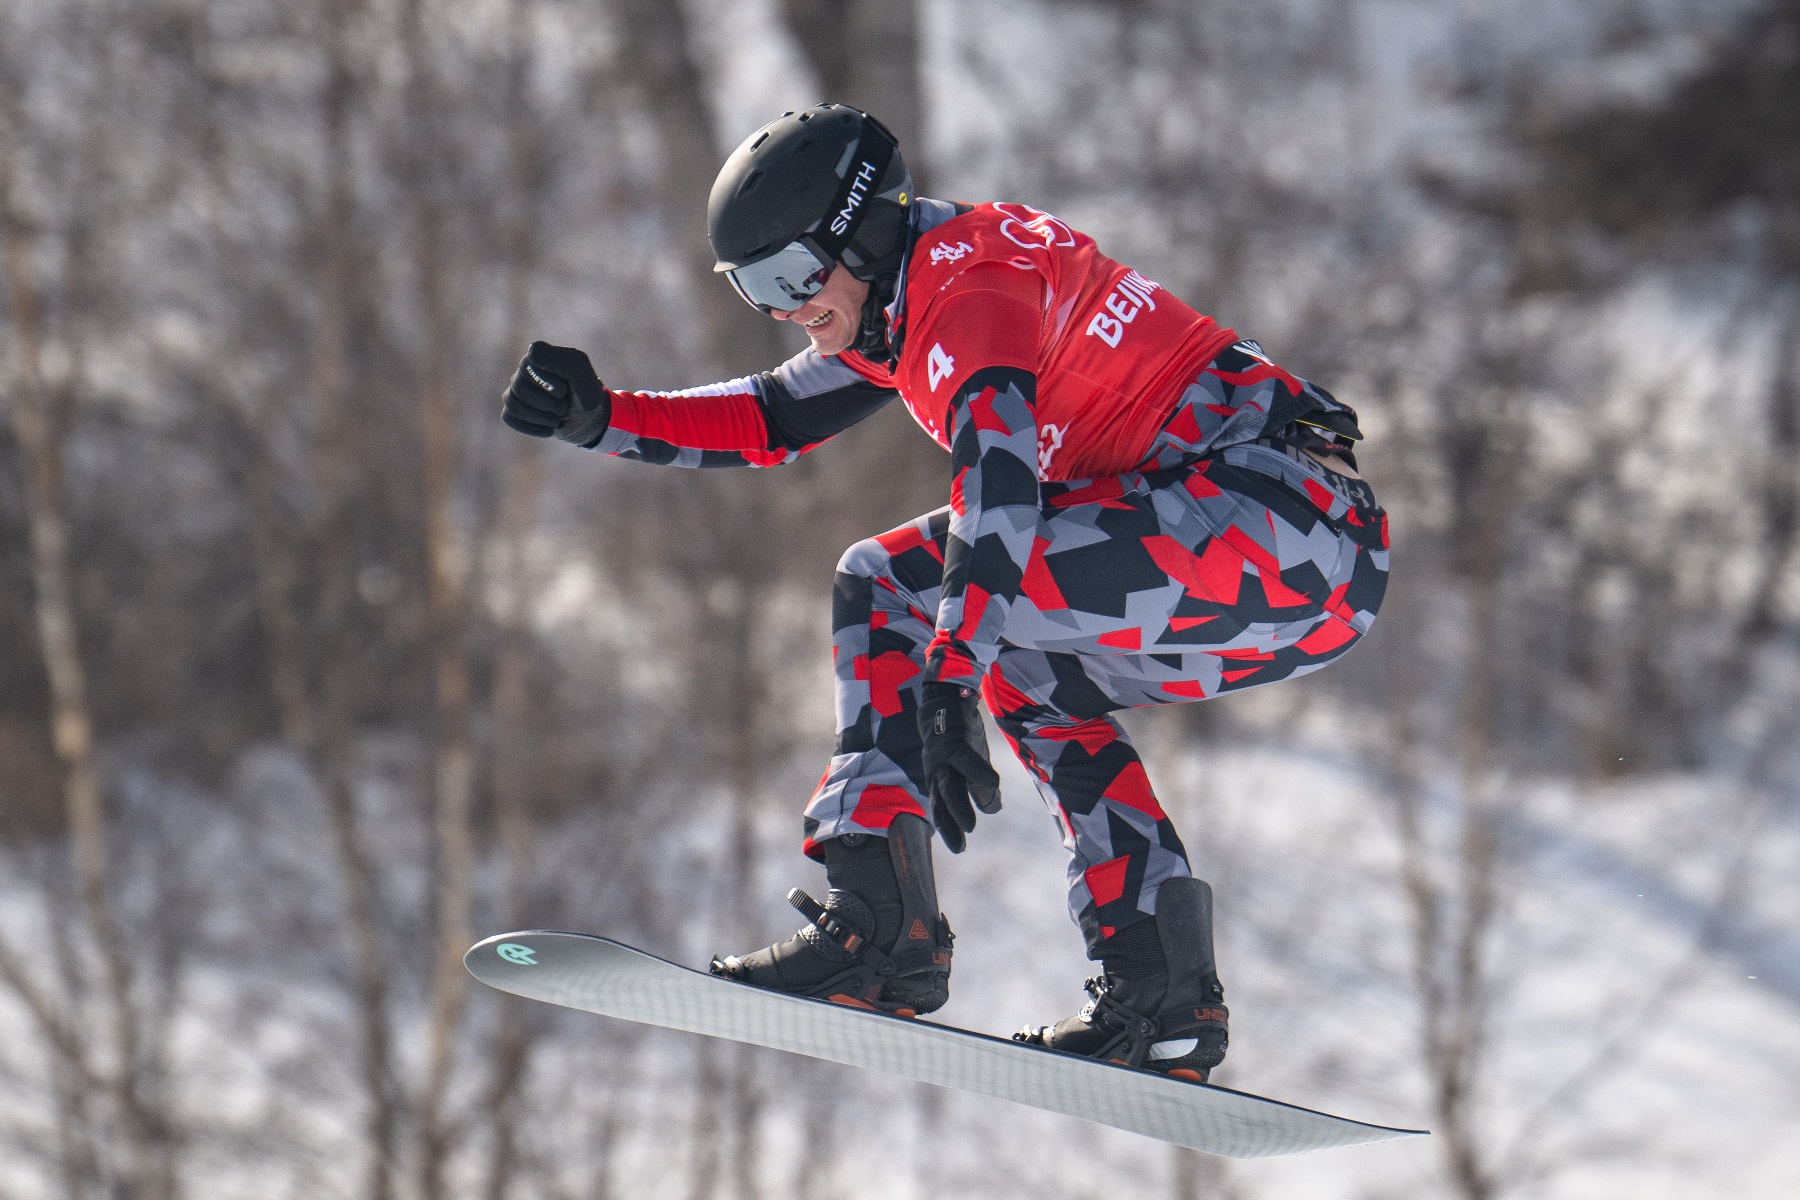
{"x": 938, "y": 365}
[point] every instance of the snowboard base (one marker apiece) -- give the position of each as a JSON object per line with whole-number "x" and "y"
{"x": 599, "y": 975}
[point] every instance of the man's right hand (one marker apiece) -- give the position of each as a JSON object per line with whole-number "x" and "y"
{"x": 556, "y": 393}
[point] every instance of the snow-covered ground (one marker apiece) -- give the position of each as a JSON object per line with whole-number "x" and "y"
{"x": 1645, "y": 1032}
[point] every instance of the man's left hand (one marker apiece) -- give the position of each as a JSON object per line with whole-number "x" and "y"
{"x": 958, "y": 777}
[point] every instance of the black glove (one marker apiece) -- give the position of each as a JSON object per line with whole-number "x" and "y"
{"x": 555, "y": 392}
{"x": 956, "y": 761}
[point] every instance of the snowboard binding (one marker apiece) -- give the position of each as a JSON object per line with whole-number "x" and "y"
{"x": 878, "y": 941}
{"x": 1168, "y": 1017}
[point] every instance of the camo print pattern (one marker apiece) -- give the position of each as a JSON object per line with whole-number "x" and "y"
{"x": 993, "y": 519}
{"x": 1240, "y": 397}
{"x": 1247, "y": 566}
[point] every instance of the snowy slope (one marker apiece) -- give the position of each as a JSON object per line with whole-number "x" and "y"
{"x": 1606, "y": 907}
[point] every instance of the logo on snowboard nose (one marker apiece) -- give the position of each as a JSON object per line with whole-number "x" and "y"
{"x": 512, "y": 952}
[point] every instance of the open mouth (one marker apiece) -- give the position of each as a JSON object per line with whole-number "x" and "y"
{"x": 818, "y": 321}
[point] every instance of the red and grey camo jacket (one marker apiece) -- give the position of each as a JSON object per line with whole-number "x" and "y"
{"x": 1020, "y": 348}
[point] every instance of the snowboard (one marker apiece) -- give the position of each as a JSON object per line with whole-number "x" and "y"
{"x": 599, "y": 975}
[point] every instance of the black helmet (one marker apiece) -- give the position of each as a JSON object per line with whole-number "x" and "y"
{"x": 804, "y": 192}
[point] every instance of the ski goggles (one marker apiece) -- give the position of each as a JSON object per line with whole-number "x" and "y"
{"x": 785, "y": 280}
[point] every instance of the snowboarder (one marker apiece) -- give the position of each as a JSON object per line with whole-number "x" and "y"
{"x": 1144, "y": 509}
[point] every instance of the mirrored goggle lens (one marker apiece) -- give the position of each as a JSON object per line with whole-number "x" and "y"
{"x": 784, "y": 281}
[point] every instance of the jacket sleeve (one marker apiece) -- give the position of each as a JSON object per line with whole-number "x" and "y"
{"x": 990, "y": 339}
{"x": 761, "y": 420}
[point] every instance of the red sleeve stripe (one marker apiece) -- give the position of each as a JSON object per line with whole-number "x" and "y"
{"x": 733, "y": 421}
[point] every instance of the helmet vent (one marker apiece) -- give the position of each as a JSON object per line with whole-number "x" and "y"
{"x": 804, "y": 143}
{"x": 749, "y": 184}
{"x": 805, "y": 117}
{"x": 760, "y": 140}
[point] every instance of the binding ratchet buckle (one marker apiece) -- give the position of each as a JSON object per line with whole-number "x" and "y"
{"x": 845, "y": 938}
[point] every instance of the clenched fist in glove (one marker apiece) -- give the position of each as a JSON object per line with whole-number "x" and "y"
{"x": 956, "y": 762}
{"x": 556, "y": 393}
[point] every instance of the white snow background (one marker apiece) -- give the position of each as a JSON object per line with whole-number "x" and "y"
{"x": 1605, "y": 911}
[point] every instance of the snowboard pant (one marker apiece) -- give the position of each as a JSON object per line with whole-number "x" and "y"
{"x": 1250, "y": 565}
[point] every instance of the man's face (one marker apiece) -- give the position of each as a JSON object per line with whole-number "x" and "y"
{"x": 831, "y": 318}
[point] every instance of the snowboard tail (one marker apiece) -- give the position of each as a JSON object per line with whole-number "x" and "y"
{"x": 599, "y": 975}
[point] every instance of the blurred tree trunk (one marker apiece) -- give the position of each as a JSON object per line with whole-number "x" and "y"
{"x": 731, "y": 681}
{"x": 1778, "y": 496}
{"x": 656, "y": 62}
{"x": 865, "y": 53}
{"x": 928, "y": 1118}
{"x": 324, "y": 728}
{"x": 1454, "y": 864}
{"x": 425, "y": 165}
{"x": 1457, "y": 1020}
{"x": 708, "y": 1162}
{"x": 521, "y": 490}
{"x": 729, "y": 532}
{"x": 744, "y": 696}
{"x": 142, "y": 1166}
{"x": 1198, "y": 1176}
{"x": 512, "y": 791}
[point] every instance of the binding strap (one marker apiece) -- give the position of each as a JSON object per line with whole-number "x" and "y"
{"x": 839, "y": 934}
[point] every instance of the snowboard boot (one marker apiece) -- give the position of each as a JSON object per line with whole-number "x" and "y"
{"x": 1159, "y": 1004}
{"x": 877, "y": 942}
